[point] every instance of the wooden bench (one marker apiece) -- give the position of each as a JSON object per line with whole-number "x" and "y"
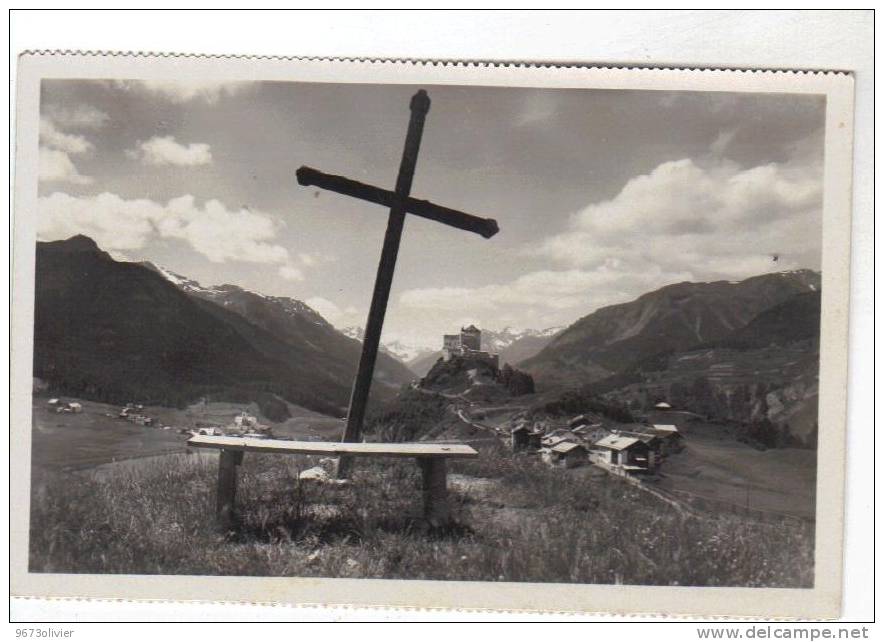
{"x": 431, "y": 459}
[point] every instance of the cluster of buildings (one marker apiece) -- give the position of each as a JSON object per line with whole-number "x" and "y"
{"x": 60, "y": 406}
{"x": 243, "y": 425}
{"x": 133, "y": 412}
{"x": 637, "y": 449}
{"x": 467, "y": 344}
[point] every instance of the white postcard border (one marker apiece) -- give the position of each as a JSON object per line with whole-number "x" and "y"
{"x": 823, "y": 601}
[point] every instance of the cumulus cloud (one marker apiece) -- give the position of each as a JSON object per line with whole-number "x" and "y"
{"x": 165, "y": 150}
{"x": 77, "y": 117}
{"x": 56, "y": 149}
{"x": 50, "y": 136}
{"x": 547, "y": 289}
{"x": 57, "y": 166}
{"x": 291, "y": 273}
{"x": 709, "y": 218}
{"x": 182, "y": 91}
{"x": 114, "y": 223}
{"x": 686, "y": 220}
{"x": 334, "y": 314}
{"x": 211, "y": 229}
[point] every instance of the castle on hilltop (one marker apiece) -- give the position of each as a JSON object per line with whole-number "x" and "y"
{"x": 467, "y": 344}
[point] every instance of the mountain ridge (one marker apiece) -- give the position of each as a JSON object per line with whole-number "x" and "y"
{"x": 292, "y": 320}
{"x": 121, "y": 331}
{"x": 674, "y": 317}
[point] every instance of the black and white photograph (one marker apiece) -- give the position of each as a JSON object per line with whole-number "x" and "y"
{"x": 429, "y": 331}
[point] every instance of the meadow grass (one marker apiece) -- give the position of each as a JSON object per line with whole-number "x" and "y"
{"x": 524, "y": 522}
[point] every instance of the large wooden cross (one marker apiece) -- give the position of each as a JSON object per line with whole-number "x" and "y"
{"x": 400, "y": 203}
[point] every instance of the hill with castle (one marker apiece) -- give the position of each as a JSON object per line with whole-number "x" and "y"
{"x": 464, "y": 369}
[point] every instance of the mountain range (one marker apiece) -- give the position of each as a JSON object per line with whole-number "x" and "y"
{"x": 677, "y": 317}
{"x": 118, "y": 331}
{"x": 744, "y": 351}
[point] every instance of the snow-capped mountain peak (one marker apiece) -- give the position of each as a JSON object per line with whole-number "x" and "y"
{"x": 226, "y": 293}
{"x": 402, "y": 350}
{"x": 495, "y": 341}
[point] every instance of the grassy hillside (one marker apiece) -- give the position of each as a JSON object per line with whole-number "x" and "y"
{"x": 515, "y": 520}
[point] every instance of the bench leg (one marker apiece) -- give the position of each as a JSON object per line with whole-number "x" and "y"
{"x": 226, "y": 496}
{"x": 343, "y": 467}
{"x": 435, "y": 490}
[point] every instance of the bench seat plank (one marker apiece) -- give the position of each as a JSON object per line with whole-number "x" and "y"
{"x": 418, "y": 450}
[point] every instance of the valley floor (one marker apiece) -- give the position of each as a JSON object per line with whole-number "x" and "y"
{"x": 97, "y": 436}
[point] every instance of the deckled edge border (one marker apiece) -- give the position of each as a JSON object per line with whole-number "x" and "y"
{"x": 434, "y": 62}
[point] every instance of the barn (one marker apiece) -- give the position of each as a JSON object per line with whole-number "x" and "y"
{"x": 670, "y": 438}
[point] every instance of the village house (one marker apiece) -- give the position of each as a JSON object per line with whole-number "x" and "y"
{"x": 628, "y": 454}
{"x": 244, "y": 420}
{"x": 556, "y": 436}
{"x": 70, "y": 407}
{"x": 566, "y": 453}
{"x": 651, "y": 440}
{"x": 247, "y": 425}
{"x": 549, "y": 441}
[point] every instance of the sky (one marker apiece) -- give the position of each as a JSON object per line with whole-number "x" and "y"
{"x": 600, "y": 195}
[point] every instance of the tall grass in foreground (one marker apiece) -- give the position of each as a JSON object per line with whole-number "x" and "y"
{"x": 529, "y": 523}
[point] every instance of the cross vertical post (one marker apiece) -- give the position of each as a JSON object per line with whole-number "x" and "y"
{"x": 420, "y": 105}
{"x": 400, "y": 204}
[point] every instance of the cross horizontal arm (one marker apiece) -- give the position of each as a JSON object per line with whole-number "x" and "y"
{"x": 486, "y": 227}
